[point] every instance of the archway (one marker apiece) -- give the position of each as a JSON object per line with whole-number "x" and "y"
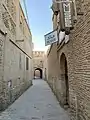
{"x": 38, "y": 74}
{"x": 64, "y": 79}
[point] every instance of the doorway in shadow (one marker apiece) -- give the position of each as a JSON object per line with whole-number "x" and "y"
{"x": 64, "y": 78}
{"x": 38, "y": 73}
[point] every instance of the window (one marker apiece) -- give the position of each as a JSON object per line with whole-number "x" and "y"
{"x": 27, "y": 63}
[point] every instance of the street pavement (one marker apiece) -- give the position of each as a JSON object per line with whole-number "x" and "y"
{"x": 37, "y": 103}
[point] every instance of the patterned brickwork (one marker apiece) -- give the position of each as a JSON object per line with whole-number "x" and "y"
{"x": 77, "y": 52}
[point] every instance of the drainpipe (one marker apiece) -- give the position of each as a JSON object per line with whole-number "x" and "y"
{"x": 76, "y": 107}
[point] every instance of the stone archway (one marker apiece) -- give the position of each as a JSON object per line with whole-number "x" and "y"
{"x": 64, "y": 79}
{"x": 40, "y": 70}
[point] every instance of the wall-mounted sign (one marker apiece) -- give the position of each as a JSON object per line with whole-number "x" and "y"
{"x": 67, "y": 14}
{"x": 51, "y": 38}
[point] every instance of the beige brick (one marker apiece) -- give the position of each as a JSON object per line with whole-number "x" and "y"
{"x": 77, "y": 52}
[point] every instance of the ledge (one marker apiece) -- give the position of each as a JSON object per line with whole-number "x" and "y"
{"x": 20, "y": 49}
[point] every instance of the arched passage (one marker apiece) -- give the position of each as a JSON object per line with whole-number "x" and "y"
{"x": 64, "y": 79}
{"x": 39, "y": 74}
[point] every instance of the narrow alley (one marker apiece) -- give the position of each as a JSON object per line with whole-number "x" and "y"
{"x": 37, "y": 103}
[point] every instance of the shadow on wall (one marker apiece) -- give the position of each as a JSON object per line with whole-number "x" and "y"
{"x": 64, "y": 78}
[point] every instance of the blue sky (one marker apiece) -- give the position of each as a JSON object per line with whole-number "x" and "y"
{"x": 40, "y": 20}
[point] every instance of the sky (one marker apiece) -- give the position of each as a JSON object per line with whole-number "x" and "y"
{"x": 40, "y": 20}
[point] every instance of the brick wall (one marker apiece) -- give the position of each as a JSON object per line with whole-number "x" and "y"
{"x": 76, "y": 52}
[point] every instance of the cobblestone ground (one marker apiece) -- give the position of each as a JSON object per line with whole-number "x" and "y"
{"x": 37, "y": 103}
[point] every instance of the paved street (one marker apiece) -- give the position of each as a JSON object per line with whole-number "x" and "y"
{"x": 37, "y": 103}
